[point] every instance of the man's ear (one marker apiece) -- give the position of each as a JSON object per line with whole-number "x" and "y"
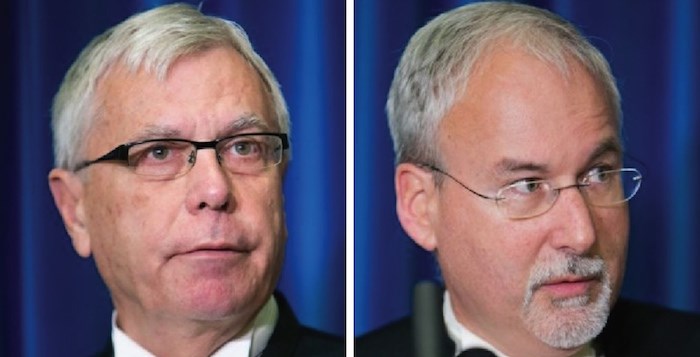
{"x": 67, "y": 190}
{"x": 415, "y": 200}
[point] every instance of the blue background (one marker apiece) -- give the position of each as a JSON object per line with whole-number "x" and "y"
{"x": 653, "y": 48}
{"x": 52, "y": 302}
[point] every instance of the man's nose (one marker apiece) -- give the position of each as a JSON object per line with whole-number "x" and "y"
{"x": 209, "y": 185}
{"x": 576, "y": 233}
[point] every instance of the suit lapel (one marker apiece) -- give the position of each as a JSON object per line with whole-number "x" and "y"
{"x": 287, "y": 333}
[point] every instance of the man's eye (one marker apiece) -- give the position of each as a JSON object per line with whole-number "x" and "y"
{"x": 159, "y": 152}
{"x": 155, "y": 153}
{"x": 527, "y": 186}
{"x": 243, "y": 148}
{"x": 600, "y": 174}
{"x": 246, "y": 148}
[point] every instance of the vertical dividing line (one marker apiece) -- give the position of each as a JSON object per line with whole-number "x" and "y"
{"x": 349, "y": 180}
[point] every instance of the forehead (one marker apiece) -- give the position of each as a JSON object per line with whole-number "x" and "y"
{"x": 201, "y": 94}
{"x": 517, "y": 106}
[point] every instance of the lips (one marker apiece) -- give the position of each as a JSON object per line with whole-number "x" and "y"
{"x": 569, "y": 279}
{"x": 569, "y": 285}
{"x": 220, "y": 247}
{"x": 214, "y": 250}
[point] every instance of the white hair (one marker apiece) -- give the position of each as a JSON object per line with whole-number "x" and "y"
{"x": 436, "y": 65}
{"x": 152, "y": 41}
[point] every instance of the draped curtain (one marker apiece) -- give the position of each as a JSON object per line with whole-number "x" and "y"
{"x": 653, "y": 48}
{"x": 52, "y": 302}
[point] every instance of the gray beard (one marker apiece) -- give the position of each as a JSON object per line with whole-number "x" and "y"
{"x": 571, "y": 322}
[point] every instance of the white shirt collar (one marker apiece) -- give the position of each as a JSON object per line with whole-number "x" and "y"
{"x": 464, "y": 339}
{"x": 252, "y": 343}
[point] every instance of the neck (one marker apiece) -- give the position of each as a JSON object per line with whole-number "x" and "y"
{"x": 168, "y": 336}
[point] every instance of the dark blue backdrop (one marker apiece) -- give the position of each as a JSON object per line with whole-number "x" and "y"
{"x": 52, "y": 303}
{"x": 653, "y": 47}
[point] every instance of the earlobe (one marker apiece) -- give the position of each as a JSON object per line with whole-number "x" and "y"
{"x": 67, "y": 191}
{"x": 415, "y": 191}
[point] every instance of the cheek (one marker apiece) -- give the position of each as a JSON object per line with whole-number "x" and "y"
{"x": 262, "y": 204}
{"x": 612, "y": 234}
{"x": 110, "y": 244}
{"x": 142, "y": 210}
{"x": 102, "y": 207}
{"x": 147, "y": 214}
{"x": 259, "y": 194}
{"x": 480, "y": 251}
{"x": 261, "y": 201}
{"x": 123, "y": 215}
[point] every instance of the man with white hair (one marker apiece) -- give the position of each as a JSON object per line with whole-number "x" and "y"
{"x": 171, "y": 143}
{"x": 506, "y": 126}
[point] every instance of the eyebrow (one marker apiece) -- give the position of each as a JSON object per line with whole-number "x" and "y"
{"x": 610, "y": 145}
{"x": 157, "y": 131}
{"x": 244, "y": 122}
{"x": 510, "y": 165}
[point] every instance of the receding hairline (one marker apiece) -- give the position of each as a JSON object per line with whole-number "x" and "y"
{"x": 481, "y": 64}
{"x": 505, "y": 43}
{"x": 440, "y": 58}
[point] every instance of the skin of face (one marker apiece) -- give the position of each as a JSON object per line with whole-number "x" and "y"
{"x": 203, "y": 250}
{"x": 518, "y": 118}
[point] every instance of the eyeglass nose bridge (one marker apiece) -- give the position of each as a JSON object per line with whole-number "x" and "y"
{"x": 557, "y": 191}
{"x": 192, "y": 158}
{"x": 577, "y": 185}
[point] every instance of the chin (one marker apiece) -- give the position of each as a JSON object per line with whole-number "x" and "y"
{"x": 572, "y": 322}
{"x": 216, "y": 301}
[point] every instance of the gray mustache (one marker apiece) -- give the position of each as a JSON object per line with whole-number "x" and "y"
{"x": 566, "y": 265}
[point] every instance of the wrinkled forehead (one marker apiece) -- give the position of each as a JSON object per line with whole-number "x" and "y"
{"x": 558, "y": 58}
{"x": 518, "y": 105}
{"x": 216, "y": 87}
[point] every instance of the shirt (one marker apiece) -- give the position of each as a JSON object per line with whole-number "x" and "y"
{"x": 251, "y": 343}
{"x": 465, "y": 339}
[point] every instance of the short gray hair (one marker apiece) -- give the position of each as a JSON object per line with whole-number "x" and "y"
{"x": 153, "y": 41}
{"x": 435, "y": 67}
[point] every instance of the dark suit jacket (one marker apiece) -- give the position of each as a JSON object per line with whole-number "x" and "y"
{"x": 289, "y": 338}
{"x": 633, "y": 330}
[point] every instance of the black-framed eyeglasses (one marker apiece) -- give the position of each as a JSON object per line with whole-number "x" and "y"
{"x": 248, "y": 153}
{"x": 531, "y": 198}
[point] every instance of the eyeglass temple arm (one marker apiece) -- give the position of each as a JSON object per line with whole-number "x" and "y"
{"x": 120, "y": 153}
